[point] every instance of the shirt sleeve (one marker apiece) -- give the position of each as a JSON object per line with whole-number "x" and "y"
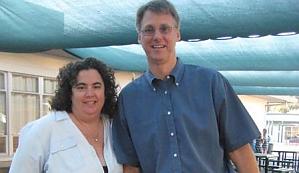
{"x": 28, "y": 156}
{"x": 236, "y": 127}
{"x": 122, "y": 142}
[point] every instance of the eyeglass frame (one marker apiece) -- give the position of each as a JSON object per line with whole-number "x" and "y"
{"x": 164, "y": 31}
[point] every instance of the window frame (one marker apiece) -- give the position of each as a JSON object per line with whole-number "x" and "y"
{"x": 6, "y": 112}
{"x": 8, "y": 89}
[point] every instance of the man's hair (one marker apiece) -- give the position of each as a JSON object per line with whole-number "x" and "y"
{"x": 67, "y": 79}
{"x": 157, "y": 6}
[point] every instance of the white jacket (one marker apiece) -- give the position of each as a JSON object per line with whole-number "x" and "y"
{"x": 54, "y": 144}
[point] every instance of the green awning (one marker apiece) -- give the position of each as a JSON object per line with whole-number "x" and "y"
{"x": 268, "y": 63}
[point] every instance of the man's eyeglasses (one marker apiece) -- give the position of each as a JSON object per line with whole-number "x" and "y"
{"x": 150, "y": 30}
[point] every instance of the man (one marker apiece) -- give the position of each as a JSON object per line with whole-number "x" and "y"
{"x": 179, "y": 118}
{"x": 265, "y": 141}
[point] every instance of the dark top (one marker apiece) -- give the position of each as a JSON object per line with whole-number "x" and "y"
{"x": 185, "y": 123}
{"x": 105, "y": 169}
{"x": 258, "y": 145}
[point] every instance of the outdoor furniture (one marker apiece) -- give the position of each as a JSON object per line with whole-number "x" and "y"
{"x": 287, "y": 159}
{"x": 263, "y": 160}
{"x": 283, "y": 170}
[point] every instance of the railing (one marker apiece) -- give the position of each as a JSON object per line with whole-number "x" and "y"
{"x": 286, "y": 159}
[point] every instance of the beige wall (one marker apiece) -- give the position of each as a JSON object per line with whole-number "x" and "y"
{"x": 124, "y": 77}
{"x": 32, "y": 63}
{"x": 48, "y": 65}
{"x": 256, "y": 108}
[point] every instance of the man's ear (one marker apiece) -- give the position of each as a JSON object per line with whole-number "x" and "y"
{"x": 178, "y": 35}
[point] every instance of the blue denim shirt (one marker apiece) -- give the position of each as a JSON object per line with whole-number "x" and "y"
{"x": 188, "y": 122}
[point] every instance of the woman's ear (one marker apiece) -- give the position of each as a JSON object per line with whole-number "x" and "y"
{"x": 139, "y": 41}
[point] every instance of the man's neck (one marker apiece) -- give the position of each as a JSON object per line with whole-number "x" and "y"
{"x": 160, "y": 71}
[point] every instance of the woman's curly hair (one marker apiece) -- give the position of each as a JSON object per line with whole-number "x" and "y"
{"x": 67, "y": 78}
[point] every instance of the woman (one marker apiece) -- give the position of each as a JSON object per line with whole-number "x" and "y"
{"x": 75, "y": 137}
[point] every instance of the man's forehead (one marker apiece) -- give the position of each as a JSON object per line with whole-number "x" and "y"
{"x": 167, "y": 19}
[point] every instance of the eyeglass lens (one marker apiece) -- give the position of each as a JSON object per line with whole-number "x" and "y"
{"x": 163, "y": 29}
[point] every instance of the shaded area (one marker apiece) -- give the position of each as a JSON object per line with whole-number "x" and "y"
{"x": 267, "y": 64}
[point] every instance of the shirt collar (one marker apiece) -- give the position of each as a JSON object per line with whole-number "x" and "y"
{"x": 176, "y": 73}
{"x": 61, "y": 115}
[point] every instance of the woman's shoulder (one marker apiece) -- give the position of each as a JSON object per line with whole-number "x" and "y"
{"x": 42, "y": 125}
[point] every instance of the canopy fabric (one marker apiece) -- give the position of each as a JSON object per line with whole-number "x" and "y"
{"x": 269, "y": 53}
{"x": 268, "y": 64}
{"x": 35, "y": 25}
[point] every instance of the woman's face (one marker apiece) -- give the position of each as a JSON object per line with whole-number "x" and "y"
{"x": 88, "y": 93}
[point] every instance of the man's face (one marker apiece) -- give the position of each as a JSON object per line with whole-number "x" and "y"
{"x": 158, "y": 36}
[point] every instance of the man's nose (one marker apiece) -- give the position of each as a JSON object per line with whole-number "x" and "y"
{"x": 157, "y": 33}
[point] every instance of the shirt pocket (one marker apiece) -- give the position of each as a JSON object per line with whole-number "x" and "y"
{"x": 65, "y": 156}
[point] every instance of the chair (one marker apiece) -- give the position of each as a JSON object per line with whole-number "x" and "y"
{"x": 287, "y": 160}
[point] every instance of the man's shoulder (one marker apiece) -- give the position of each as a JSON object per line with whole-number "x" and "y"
{"x": 135, "y": 84}
{"x": 200, "y": 70}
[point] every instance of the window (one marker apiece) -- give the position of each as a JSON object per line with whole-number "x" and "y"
{"x": 283, "y": 107}
{"x": 25, "y": 107}
{"x": 50, "y": 85}
{"x": 292, "y": 134}
{"x": 23, "y": 98}
{"x": 25, "y": 83}
{"x": 3, "y": 134}
{"x": 3, "y": 117}
{"x": 2, "y": 81}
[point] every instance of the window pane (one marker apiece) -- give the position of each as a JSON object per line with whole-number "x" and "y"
{"x": 25, "y": 83}
{"x": 1, "y": 81}
{"x": 25, "y": 108}
{"x": 292, "y": 134}
{"x": 3, "y": 118}
{"x": 50, "y": 86}
{"x": 46, "y": 105}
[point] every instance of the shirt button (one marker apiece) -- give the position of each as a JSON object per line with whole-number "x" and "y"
{"x": 154, "y": 89}
{"x": 168, "y": 112}
{"x": 171, "y": 134}
{"x": 165, "y": 92}
{"x": 175, "y": 155}
{"x": 167, "y": 77}
{"x": 177, "y": 84}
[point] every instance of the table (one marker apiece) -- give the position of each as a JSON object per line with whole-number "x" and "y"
{"x": 260, "y": 156}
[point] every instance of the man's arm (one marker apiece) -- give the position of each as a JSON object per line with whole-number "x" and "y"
{"x": 244, "y": 159}
{"x": 131, "y": 169}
